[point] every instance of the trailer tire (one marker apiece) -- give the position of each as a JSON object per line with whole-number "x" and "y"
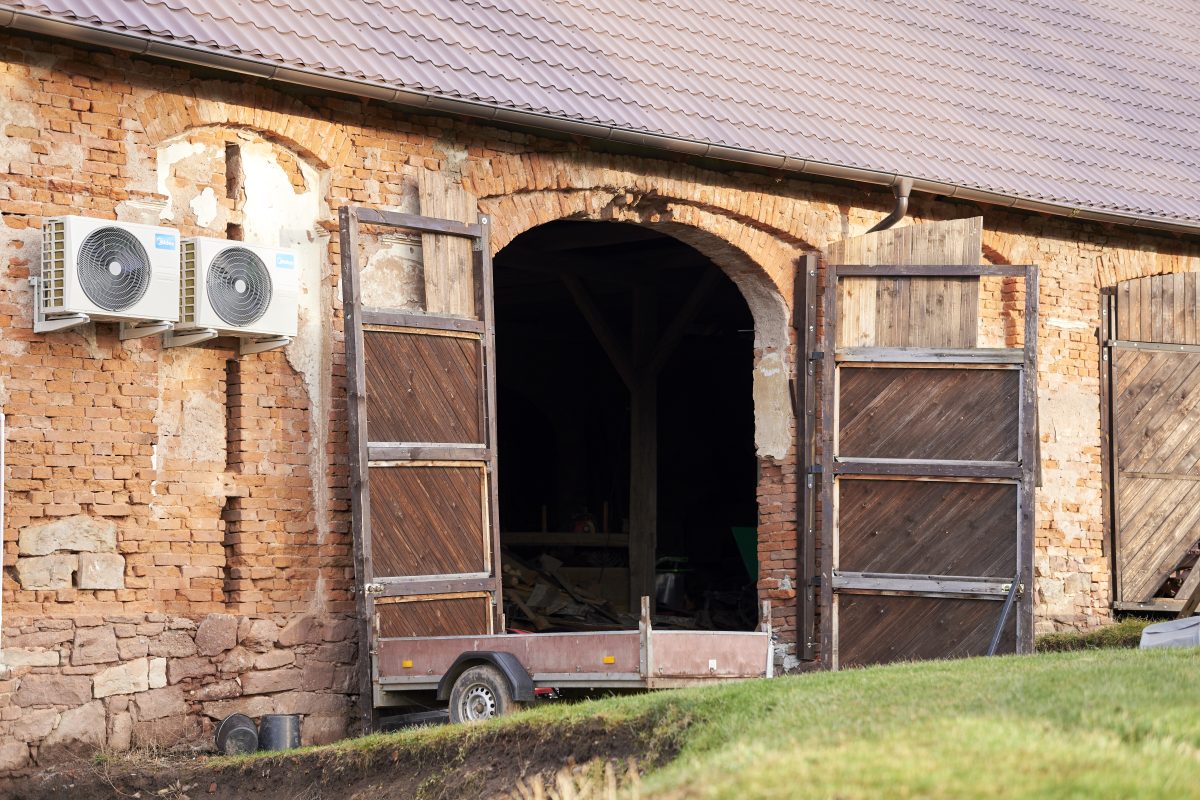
{"x": 481, "y": 693}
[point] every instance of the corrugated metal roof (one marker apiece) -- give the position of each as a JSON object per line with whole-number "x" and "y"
{"x": 1093, "y": 105}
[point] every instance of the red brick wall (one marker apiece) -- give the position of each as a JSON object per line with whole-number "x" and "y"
{"x": 228, "y": 486}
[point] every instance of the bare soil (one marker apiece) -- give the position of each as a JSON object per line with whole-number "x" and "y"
{"x": 478, "y": 764}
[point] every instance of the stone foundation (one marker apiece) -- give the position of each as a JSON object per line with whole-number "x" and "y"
{"x": 150, "y": 680}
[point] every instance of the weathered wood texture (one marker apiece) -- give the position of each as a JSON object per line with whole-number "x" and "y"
{"x": 927, "y": 528}
{"x": 434, "y": 616}
{"x": 422, "y": 387}
{"x": 880, "y": 629}
{"x": 1156, "y": 418}
{"x": 428, "y": 512}
{"x": 428, "y": 520}
{"x": 1159, "y": 308}
{"x": 360, "y": 501}
{"x": 954, "y": 418}
{"x": 910, "y": 312}
{"x": 449, "y": 268}
{"x": 929, "y": 413}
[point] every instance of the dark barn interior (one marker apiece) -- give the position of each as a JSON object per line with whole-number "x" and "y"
{"x": 614, "y": 340}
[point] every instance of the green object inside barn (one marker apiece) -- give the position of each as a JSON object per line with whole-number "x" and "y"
{"x": 747, "y": 545}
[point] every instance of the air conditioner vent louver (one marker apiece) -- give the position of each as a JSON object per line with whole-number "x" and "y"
{"x": 188, "y": 280}
{"x": 239, "y": 286}
{"x": 54, "y": 264}
{"x": 113, "y": 268}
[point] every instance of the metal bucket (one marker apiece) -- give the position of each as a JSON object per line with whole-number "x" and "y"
{"x": 279, "y": 731}
{"x": 236, "y": 734}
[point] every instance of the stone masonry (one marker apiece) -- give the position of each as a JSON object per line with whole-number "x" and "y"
{"x": 177, "y": 538}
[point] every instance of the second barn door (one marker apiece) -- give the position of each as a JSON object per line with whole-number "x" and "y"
{"x": 1154, "y": 389}
{"x": 928, "y": 447}
{"x": 421, "y": 405}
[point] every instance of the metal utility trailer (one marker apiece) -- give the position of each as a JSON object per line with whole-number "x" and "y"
{"x": 634, "y": 659}
{"x": 421, "y": 408}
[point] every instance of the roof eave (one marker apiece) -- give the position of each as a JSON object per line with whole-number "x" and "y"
{"x": 83, "y": 32}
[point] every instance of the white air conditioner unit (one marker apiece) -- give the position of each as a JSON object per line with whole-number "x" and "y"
{"x": 236, "y": 289}
{"x": 101, "y": 270}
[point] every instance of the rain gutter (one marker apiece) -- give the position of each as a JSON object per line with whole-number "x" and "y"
{"x": 84, "y": 32}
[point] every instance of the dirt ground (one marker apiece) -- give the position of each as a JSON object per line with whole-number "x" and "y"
{"x": 482, "y": 764}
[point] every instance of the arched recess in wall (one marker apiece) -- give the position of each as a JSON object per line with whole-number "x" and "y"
{"x": 765, "y": 281}
{"x": 281, "y": 118}
{"x": 234, "y": 183}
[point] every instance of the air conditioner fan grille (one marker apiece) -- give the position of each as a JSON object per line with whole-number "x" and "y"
{"x": 238, "y": 286}
{"x": 113, "y": 268}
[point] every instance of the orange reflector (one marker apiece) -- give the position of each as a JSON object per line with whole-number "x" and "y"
{"x": 406, "y": 663}
{"x": 609, "y": 660}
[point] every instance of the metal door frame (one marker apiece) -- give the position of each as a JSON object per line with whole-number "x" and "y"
{"x": 363, "y": 453}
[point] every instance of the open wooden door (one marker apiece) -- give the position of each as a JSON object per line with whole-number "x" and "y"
{"x": 1154, "y": 455}
{"x": 421, "y": 406}
{"x": 928, "y": 449}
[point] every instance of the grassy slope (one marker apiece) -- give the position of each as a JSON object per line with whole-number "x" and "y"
{"x": 1095, "y": 723}
{"x": 1113, "y": 723}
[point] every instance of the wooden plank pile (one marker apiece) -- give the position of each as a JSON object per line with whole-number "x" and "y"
{"x": 543, "y": 596}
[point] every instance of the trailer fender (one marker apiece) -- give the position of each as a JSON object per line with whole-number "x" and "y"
{"x": 512, "y": 669}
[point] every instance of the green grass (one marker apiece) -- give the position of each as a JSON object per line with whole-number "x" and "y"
{"x": 1126, "y": 633}
{"x": 1089, "y": 724}
{"x": 1108, "y": 723}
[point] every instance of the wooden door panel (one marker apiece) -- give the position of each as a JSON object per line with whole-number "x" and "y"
{"x": 1156, "y": 442}
{"x": 908, "y": 312}
{"x": 429, "y": 519}
{"x": 881, "y": 629}
{"x": 423, "y": 387}
{"x": 927, "y": 527}
{"x": 929, "y": 413}
{"x": 434, "y": 616}
{"x": 422, "y": 423}
{"x": 929, "y": 449}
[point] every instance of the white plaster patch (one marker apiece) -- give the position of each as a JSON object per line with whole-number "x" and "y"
{"x": 168, "y": 156}
{"x": 191, "y": 425}
{"x": 394, "y": 275}
{"x": 772, "y": 407}
{"x": 275, "y": 214}
{"x": 1068, "y": 324}
{"x": 204, "y": 207}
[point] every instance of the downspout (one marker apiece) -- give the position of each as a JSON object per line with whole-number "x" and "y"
{"x": 901, "y": 189}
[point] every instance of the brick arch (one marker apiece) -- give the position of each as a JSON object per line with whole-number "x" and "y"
{"x": 761, "y": 265}
{"x": 274, "y": 116}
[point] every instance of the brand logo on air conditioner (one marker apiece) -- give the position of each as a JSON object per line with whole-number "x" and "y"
{"x": 285, "y": 261}
{"x": 164, "y": 241}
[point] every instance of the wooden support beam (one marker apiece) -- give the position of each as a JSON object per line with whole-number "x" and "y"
{"x": 643, "y": 451}
{"x": 691, "y": 307}
{"x": 612, "y": 347}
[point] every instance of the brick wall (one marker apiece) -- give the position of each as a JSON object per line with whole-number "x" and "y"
{"x": 223, "y": 479}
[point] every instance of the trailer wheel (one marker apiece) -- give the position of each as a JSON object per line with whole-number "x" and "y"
{"x": 481, "y": 693}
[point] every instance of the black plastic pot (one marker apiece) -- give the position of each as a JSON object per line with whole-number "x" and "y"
{"x": 236, "y": 734}
{"x": 279, "y": 731}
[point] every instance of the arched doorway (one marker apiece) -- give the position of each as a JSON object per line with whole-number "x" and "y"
{"x": 626, "y": 431}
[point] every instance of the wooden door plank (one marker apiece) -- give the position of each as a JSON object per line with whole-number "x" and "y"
{"x": 449, "y": 279}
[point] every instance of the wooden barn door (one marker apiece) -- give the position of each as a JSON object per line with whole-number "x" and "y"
{"x": 421, "y": 406}
{"x": 929, "y": 450}
{"x": 1155, "y": 438}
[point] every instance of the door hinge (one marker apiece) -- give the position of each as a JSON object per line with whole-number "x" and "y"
{"x": 373, "y": 588}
